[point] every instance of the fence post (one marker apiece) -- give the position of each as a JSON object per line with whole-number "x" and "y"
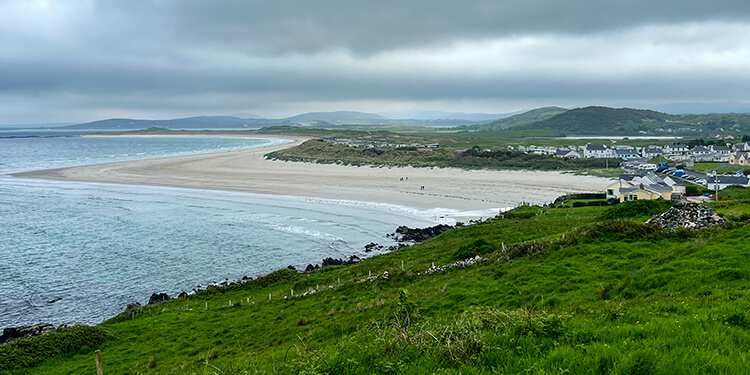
{"x": 98, "y": 359}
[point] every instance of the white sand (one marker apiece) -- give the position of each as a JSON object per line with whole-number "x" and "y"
{"x": 481, "y": 193}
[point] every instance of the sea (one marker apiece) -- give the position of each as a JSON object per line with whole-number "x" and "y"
{"x": 78, "y": 253}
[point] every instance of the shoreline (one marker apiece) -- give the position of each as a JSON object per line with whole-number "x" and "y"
{"x": 448, "y": 192}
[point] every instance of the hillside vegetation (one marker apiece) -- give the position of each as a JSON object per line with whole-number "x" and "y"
{"x": 319, "y": 151}
{"x": 529, "y": 117}
{"x": 560, "y": 290}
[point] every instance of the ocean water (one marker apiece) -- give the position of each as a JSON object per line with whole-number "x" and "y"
{"x": 93, "y": 248}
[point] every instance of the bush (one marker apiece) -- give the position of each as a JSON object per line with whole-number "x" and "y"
{"x": 636, "y": 209}
{"x": 588, "y": 204}
{"x": 694, "y": 190}
{"x": 32, "y": 351}
{"x": 479, "y": 247}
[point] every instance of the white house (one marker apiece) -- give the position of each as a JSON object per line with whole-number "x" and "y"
{"x": 676, "y": 149}
{"x": 700, "y": 153}
{"x": 721, "y": 153}
{"x": 651, "y": 152}
{"x": 723, "y": 182}
{"x": 626, "y": 153}
{"x": 597, "y": 151}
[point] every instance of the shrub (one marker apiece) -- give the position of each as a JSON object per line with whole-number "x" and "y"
{"x": 479, "y": 247}
{"x": 636, "y": 209}
{"x": 29, "y": 352}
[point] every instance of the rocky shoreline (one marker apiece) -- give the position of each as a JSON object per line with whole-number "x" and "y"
{"x": 403, "y": 235}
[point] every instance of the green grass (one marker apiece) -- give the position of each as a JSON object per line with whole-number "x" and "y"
{"x": 564, "y": 291}
{"x": 704, "y": 166}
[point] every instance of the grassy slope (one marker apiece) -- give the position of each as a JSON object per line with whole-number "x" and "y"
{"x": 608, "y": 298}
{"x": 529, "y": 117}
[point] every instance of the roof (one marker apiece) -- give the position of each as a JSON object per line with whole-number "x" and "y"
{"x": 592, "y": 147}
{"x": 677, "y": 145}
{"x": 729, "y": 180}
{"x": 721, "y": 148}
{"x": 700, "y": 149}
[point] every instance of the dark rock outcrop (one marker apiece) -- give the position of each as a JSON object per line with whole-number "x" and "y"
{"x": 340, "y": 262}
{"x": 373, "y": 246}
{"x": 420, "y": 234}
{"x": 15, "y": 333}
{"x": 156, "y": 298}
{"x": 687, "y": 215}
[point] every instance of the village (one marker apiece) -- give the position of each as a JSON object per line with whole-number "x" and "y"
{"x": 665, "y": 172}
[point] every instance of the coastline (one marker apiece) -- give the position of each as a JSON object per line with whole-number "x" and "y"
{"x": 448, "y": 192}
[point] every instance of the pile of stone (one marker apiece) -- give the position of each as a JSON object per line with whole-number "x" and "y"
{"x": 687, "y": 215}
{"x": 15, "y": 333}
{"x": 460, "y": 263}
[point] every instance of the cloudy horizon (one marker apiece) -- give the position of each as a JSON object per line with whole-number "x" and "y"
{"x": 79, "y": 60}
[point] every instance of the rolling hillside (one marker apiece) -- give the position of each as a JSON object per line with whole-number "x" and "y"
{"x": 556, "y": 290}
{"x": 532, "y": 116}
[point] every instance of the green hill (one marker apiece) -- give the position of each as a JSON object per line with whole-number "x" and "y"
{"x": 529, "y": 117}
{"x": 604, "y": 121}
{"x": 561, "y": 291}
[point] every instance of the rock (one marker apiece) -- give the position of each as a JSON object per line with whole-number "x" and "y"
{"x": 15, "y": 333}
{"x": 310, "y": 267}
{"x": 340, "y": 262}
{"x": 132, "y": 306}
{"x": 54, "y": 300}
{"x": 156, "y": 298}
{"x": 291, "y": 267}
{"x": 183, "y": 294}
{"x": 687, "y": 215}
{"x": 417, "y": 235}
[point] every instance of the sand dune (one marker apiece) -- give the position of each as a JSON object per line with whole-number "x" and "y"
{"x": 483, "y": 191}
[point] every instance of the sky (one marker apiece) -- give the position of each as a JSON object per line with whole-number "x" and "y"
{"x": 85, "y": 60}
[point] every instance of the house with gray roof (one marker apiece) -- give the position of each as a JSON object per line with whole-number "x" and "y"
{"x": 722, "y": 182}
{"x": 597, "y": 151}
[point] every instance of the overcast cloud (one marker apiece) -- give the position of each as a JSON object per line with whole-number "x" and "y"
{"x": 77, "y": 60}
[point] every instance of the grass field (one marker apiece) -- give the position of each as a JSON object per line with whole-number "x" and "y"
{"x": 570, "y": 291}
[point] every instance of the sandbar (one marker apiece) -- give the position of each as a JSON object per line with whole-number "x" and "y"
{"x": 451, "y": 192}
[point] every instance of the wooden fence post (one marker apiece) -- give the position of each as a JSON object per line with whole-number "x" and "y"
{"x": 98, "y": 359}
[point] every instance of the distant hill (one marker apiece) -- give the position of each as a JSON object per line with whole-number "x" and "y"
{"x": 338, "y": 118}
{"x": 200, "y": 122}
{"x": 442, "y": 116}
{"x": 605, "y": 121}
{"x": 524, "y": 118}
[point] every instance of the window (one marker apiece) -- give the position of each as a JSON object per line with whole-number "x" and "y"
{"x": 610, "y": 192}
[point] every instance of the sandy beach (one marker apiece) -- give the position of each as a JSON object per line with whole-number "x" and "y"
{"x": 448, "y": 191}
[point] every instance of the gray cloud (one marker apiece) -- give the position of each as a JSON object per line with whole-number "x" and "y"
{"x": 184, "y": 57}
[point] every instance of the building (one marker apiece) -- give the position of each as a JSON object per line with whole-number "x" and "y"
{"x": 700, "y": 153}
{"x": 567, "y": 153}
{"x": 626, "y": 153}
{"x": 721, "y": 153}
{"x": 597, "y": 151}
{"x": 651, "y": 152}
{"x": 722, "y": 182}
{"x": 741, "y": 147}
{"x": 739, "y": 158}
{"x": 630, "y": 187}
{"x": 676, "y": 149}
